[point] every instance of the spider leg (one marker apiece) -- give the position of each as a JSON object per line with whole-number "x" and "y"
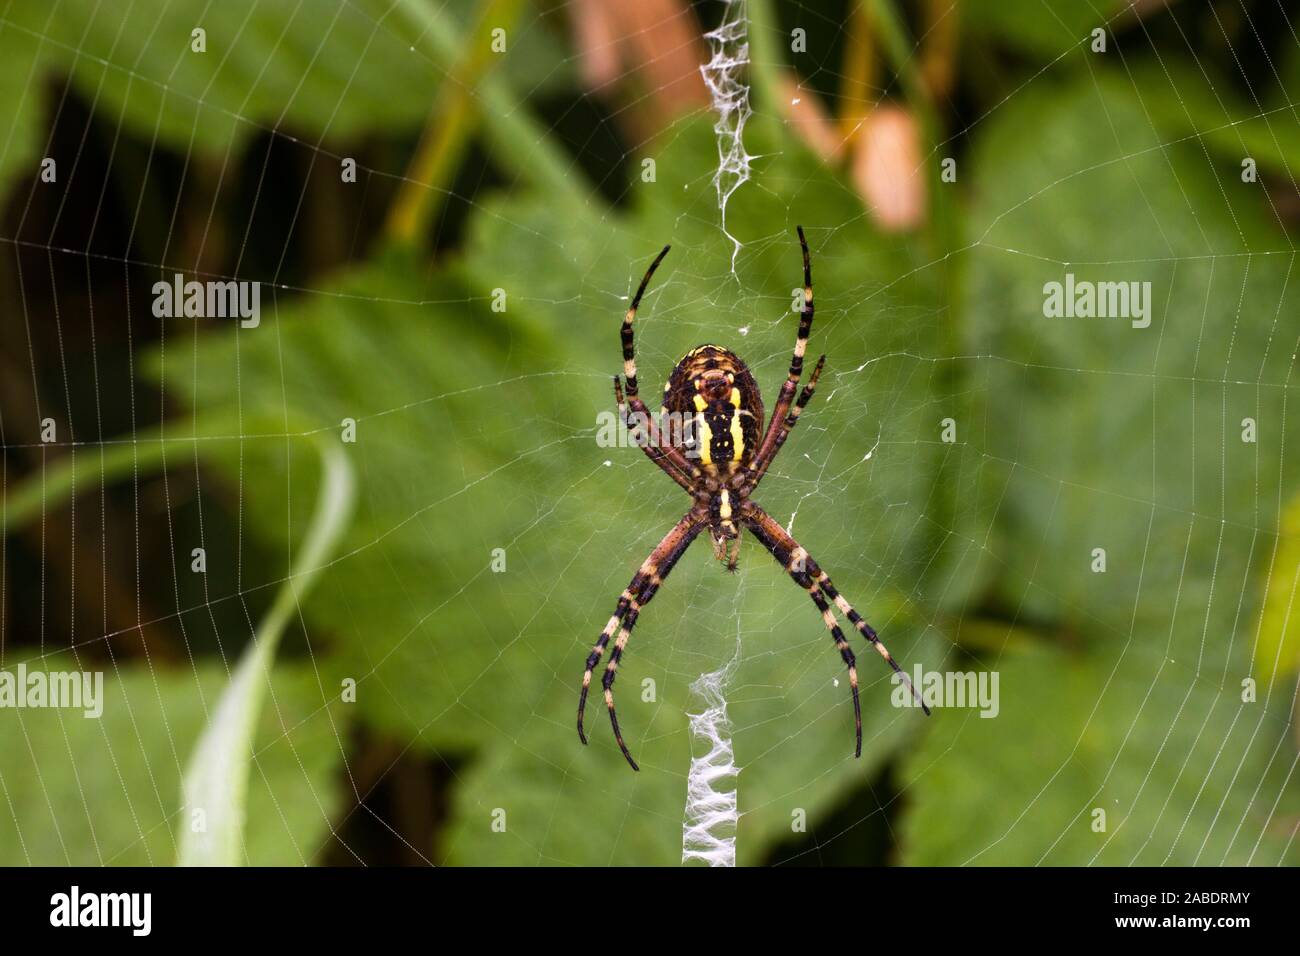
{"x": 653, "y": 445}
{"x": 767, "y": 447}
{"x": 786, "y": 556}
{"x": 638, "y": 593}
{"x": 867, "y": 631}
{"x": 805, "y": 571}
{"x": 629, "y": 348}
{"x": 759, "y": 468}
{"x": 670, "y": 459}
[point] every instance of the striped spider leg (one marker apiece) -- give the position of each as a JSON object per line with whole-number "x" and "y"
{"x": 806, "y": 573}
{"x": 637, "y": 595}
{"x": 651, "y": 440}
{"x": 779, "y": 426}
{"x": 791, "y": 419}
{"x": 796, "y": 561}
{"x": 671, "y": 459}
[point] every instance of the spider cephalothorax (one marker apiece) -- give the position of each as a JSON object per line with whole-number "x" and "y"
{"x": 710, "y": 444}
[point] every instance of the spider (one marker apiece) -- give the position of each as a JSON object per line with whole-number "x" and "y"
{"x": 719, "y": 466}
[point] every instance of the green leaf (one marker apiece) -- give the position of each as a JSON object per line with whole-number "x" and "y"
{"x": 100, "y": 792}
{"x": 1184, "y": 771}
{"x": 1043, "y": 28}
{"x": 1098, "y": 434}
{"x": 312, "y": 69}
{"x": 1089, "y": 433}
{"x": 216, "y": 783}
{"x": 1187, "y": 103}
{"x": 22, "y": 63}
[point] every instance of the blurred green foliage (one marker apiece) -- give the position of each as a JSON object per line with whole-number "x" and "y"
{"x": 106, "y": 792}
{"x": 1093, "y": 434}
{"x": 476, "y": 431}
{"x": 314, "y": 68}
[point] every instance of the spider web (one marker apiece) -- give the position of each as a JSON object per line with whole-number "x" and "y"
{"x": 478, "y": 433}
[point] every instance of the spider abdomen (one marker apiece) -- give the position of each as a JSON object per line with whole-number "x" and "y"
{"x": 714, "y": 409}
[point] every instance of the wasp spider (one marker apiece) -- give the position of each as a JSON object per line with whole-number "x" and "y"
{"x": 719, "y": 465}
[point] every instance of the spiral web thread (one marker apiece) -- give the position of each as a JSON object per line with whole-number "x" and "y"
{"x": 709, "y": 825}
{"x": 730, "y": 98}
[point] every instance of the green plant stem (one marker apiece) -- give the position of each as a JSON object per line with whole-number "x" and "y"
{"x": 452, "y": 122}
{"x": 858, "y": 70}
{"x": 943, "y": 232}
{"x": 519, "y": 141}
{"x": 765, "y": 65}
{"x": 894, "y": 39}
{"x": 105, "y": 464}
{"x": 216, "y": 781}
{"x": 214, "y": 790}
{"x": 58, "y": 481}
